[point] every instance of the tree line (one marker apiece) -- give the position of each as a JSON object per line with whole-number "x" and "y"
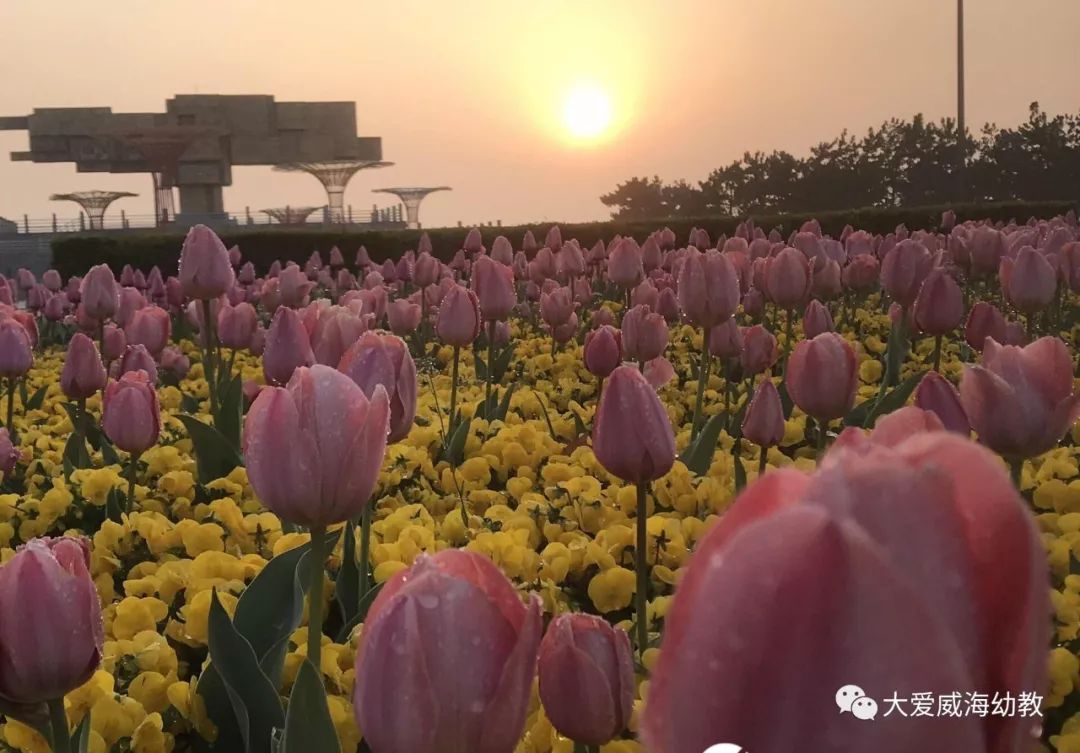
{"x": 901, "y": 163}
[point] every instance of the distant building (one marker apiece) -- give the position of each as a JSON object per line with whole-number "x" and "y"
{"x": 193, "y": 145}
{"x": 7, "y": 227}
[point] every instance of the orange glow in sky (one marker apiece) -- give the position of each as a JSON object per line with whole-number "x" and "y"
{"x": 529, "y": 110}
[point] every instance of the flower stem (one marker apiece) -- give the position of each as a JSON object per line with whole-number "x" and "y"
{"x": 787, "y": 336}
{"x": 453, "y": 389}
{"x": 11, "y": 408}
{"x": 58, "y": 724}
{"x": 703, "y": 377}
{"x": 490, "y": 369}
{"x": 937, "y": 351}
{"x": 132, "y": 469}
{"x": 822, "y": 437}
{"x": 319, "y": 552}
{"x": 1016, "y": 470}
{"x": 207, "y": 340}
{"x": 763, "y": 462}
{"x": 365, "y": 546}
{"x": 642, "y": 564}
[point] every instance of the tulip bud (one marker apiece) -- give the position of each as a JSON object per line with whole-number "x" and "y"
{"x": 708, "y": 288}
{"x": 763, "y": 423}
{"x": 827, "y": 282}
{"x": 753, "y": 303}
{"x": 556, "y": 307}
{"x": 937, "y": 395}
{"x": 632, "y": 436}
{"x": 9, "y": 453}
{"x": 494, "y": 286}
{"x": 481, "y": 710}
{"x": 822, "y": 376}
{"x": 1020, "y": 401}
{"x": 984, "y": 320}
{"x": 726, "y": 340}
{"x": 131, "y": 417}
{"x": 288, "y": 347}
{"x": 403, "y": 316}
{"x": 788, "y": 278}
{"x": 458, "y": 321}
{"x": 861, "y": 273}
{"x": 816, "y": 319}
{"x": 603, "y": 351}
{"x": 236, "y": 325}
{"x": 55, "y": 308}
{"x": 939, "y": 307}
{"x": 644, "y": 334}
{"x": 904, "y": 269}
{"x": 1030, "y": 282}
{"x": 759, "y": 350}
{"x": 151, "y": 327}
{"x": 99, "y": 293}
{"x": 205, "y": 271}
{"x": 16, "y": 356}
{"x": 379, "y": 359}
{"x": 138, "y": 358}
{"x": 625, "y": 266}
{"x": 56, "y": 643}
{"x": 586, "y": 671}
{"x": 294, "y": 287}
{"x": 174, "y": 361}
{"x": 83, "y": 373}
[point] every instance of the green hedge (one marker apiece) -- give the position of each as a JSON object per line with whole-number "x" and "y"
{"x": 75, "y": 254}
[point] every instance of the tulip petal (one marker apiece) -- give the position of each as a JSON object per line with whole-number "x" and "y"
{"x": 510, "y": 701}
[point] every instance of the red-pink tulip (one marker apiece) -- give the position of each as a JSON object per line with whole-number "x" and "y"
{"x": 83, "y": 373}
{"x": 131, "y": 417}
{"x": 16, "y": 354}
{"x": 586, "y": 673}
{"x": 788, "y": 278}
{"x": 868, "y": 537}
{"x": 56, "y": 643}
{"x": 936, "y": 394}
{"x": 313, "y": 449}
{"x": 602, "y": 353}
{"x": 632, "y": 436}
{"x": 464, "y": 695}
{"x": 708, "y": 288}
{"x": 1020, "y": 401}
{"x": 380, "y": 359}
{"x": 151, "y": 327}
{"x": 822, "y": 376}
{"x": 763, "y": 423}
{"x": 939, "y": 307}
{"x": 458, "y": 322}
{"x": 288, "y": 347}
{"x": 644, "y": 334}
{"x": 99, "y": 293}
{"x": 816, "y": 319}
{"x": 205, "y": 271}
{"x": 494, "y": 286}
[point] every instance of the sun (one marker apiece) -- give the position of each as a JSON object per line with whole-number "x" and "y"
{"x": 587, "y": 112}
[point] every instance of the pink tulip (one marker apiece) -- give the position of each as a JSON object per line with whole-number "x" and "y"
{"x": 236, "y": 325}
{"x": 644, "y": 334}
{"x": 464, "y": 695}
{"x": 763, "y": 423}
{"x": 645, "y": 294}
{"x": 9, "y": 453}
{"x": 288, "y": 347}
{"x": 56, "y": 643}
{"x": 403, "y": 316}
{"x": 566, "y": 331}
{"x": 83, "y": 373}
{"x": 788, "y": 278}
{"x": 294, "y": 287}
{"x": 1069, "y": 269}
{"x": 205, "y": 271}
{"x": 380, "y": 359}
{"x": 474, "y": 243}
{"x": 895, "y": 427}
{"x": 822, "y": 376}
{"x": 52, "y": 280}
{"x": 16, "y": 355}
{"x": 868, "y": 537}
{"x": 861, "y": 273}
{"x": 138, "y": 358}
{"x": 426, "y": 271}
{"x": 99, "y": 293}
{"x": 458, "y": 322}
{"x": 494, "y": 286}
{"x": 753, "y": 303}
{"x": 759, "y": 350}
{"x": 816, "y": 319}
{"x": 1020, "y": 401}
{"x": 984, "y": 320}
{"x": 828, "y": 279}
{"x": 151, "y": 327}
{"x": 986, "y": 246}
{"x": 1030, "y": 281}
{"x": 556, "y": 307}
{"x": 936, "y": 394}
{"x": 246, "y": 275}
{"x": 726, "y": 340}
{"x": 632, "y": 436}
{"x": 570, "y": 260}
{"x": 625, "y": 266}
{"x": 313, "y": 449}
{"x": 335, "y": 331}
{"x": 903, "y": 270}
{"x": 603, "y": 351}
{"x": 131, "y": 417}
{"x": 708, "y": 288}
{"x": 175, "y": 362}
{"x": 553, "y": 239}
{"x": 586, "y": 672}
{"x": 1015, "y": 334}
{"x": 939, "y": 306}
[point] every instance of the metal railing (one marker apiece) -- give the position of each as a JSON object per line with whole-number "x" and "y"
{"x": 392, "y": 216}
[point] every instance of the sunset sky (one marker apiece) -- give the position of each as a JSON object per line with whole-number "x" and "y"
{"x": 471, "y": 93}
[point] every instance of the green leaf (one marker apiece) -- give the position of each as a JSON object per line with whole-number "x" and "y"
{"x": 547, "y": 418}
{"x": 735, "y": 426}
{"x": 785, "y": 400}
{"x": 455, "y": 447}
{"x": 75, "y": 452}
{"x": 497, "y": 412}
{"x": 740, "y": 472}
{"x": 254, "y": 698}
{"x": 893, "y": 400}
{"x": 361, "y": 614}
{"x": 37, "y": 399}
{"x": 308, "y": 726}
{"x": 114, "y": 505}
{"x": 699, "y": 454}
{"x": 80, "y": 739}
{"x": 23, "y": 397}
{"x": 189, "y": 403}
{"x": 479, "y": 365}
{"x": 579, "y": 425}
{"x": 897, "y": 351}
{"x": 501, "y": 364}
{"x": 347, "y": 585}
{"x": 857, "y": 415}
{"x": 230, "y": 412}
{"x": 215, "y": 454}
